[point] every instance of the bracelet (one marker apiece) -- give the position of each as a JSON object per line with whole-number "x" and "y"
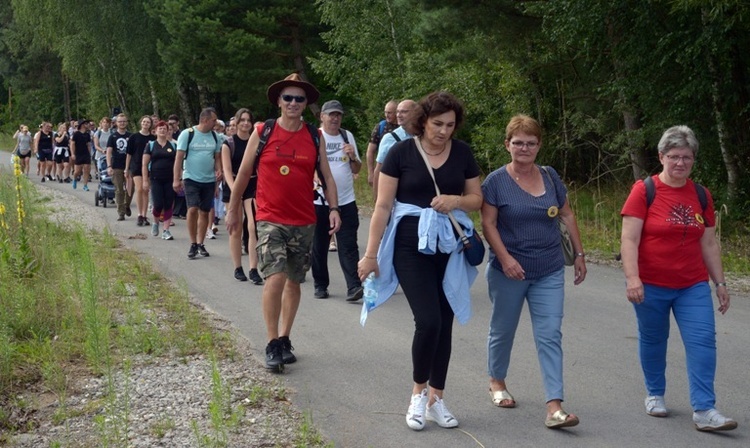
{"x": 717, "y": 284}
{"x": 580, "y": 254}
{"x": 370, "y": 258}
{"x": 334, "y": 209}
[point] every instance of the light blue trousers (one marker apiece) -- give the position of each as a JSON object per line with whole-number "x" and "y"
{"x": 694, "y": 314}
{"x": 545, "y": 297}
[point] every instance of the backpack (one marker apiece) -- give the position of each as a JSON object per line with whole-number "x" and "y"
{"x": 268, "y": 129}
{"x": 191, "y": 134}
{"x": 381, "y": 128}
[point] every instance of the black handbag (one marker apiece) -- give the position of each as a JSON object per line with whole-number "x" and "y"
{"x": 473, "y": 248}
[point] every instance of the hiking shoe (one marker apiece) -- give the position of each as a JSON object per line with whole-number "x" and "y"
{"x": 711, "y": 420}
{"x": 155, "y": 229}
{"x": 355, "y": 294}
{"x": 193, "y": 250}
{"x": 415, "y": 414}
{"x": 286, "y": 350}
{"x": 85, "y": 188}
{"x": 321, "y": 293}
{"x": 166, "y": 235}
{"x": 121, "y": 218}
{"x": 239, "y": 274}
{"x": 202, "y": 251}
{"x": 128, "y": 212}
{"x": 440, "y": 414}
{"x": 274, "y": 359}
{"x": 655, "y": 406}
{"x": 75, "y": 183}
{"x": 255, "y": 277}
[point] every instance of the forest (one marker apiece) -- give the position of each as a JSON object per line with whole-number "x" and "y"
{"x": 604, "y": 77}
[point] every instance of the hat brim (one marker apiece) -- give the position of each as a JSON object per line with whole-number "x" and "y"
{"x": 274, "y": 90}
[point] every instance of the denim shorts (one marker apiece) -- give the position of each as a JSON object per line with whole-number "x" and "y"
{"x": 199, "y": 194}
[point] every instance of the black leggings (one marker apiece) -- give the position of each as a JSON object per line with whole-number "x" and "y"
{"x": 421, "y": 278}
{"x": 162, "y": 195}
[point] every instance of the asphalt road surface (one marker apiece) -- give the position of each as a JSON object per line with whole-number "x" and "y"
{"x": 355, "y": 382}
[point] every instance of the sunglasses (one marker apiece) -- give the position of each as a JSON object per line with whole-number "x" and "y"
{"x": 289, "y": 98}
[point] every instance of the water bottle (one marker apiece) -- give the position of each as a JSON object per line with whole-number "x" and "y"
{"x": 371, "y": 293}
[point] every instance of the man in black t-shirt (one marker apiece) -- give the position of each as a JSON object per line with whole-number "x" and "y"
{"x": 116, "y": 155}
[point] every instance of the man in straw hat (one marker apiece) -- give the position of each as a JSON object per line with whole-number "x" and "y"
{"x": 285, "y": 212}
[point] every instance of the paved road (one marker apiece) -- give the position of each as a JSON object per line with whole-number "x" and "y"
{"x": 355, "y": 381}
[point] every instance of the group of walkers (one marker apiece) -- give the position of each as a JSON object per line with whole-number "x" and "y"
{"x": 426, "y": 183}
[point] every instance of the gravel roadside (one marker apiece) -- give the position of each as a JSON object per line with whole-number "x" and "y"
{"x": 161, "y": 402}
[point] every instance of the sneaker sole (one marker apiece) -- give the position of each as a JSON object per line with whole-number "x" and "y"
{"x": 356, "y": 296}
{"x": 275, "y": 369}
{"x": 451, "y": 424}
{"x": 725, "y": 427}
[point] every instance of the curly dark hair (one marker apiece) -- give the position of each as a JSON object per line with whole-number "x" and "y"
{"x": 436, "y": 103}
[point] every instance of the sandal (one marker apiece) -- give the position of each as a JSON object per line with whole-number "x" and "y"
{"x": 500, "y": 396}
{"x": 560, "y": 419}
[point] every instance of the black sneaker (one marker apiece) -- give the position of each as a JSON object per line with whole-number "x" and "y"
{"x": 255, "y": 277}
{"x": 202, "y": 251}
{"x": 140, "y": 221}
{"x": 44, "y": 179}
{"x": 128, "y": 212}
{"x": 146, "y": 222}
{"x": 49, "y": 177}
{"x": 68, "y": 180}
{"x": 355, "y": 294}
{"x": 321, "y": 293}
{"x": 193, "y": 251}
{"x": 274, "y": 357}
{"x": 239, "y": 274}
{"x": 121, "y": 218}
{"x": 286, "y": 350}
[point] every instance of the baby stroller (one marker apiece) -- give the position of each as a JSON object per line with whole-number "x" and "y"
{"x": 106, "y": 190}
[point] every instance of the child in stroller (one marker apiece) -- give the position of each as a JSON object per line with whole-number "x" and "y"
{"x": 106, "y": 191}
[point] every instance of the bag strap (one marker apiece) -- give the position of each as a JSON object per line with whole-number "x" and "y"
{"x": 461, "y": 234}
{"x": 554, "y": 185}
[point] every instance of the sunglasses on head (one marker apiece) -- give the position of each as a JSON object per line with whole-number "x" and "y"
{"x": 289, "y": 98}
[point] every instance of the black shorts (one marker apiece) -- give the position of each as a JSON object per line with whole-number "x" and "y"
{"x": 45, "y": 156}
{"x": 83, "y": 159}
{"x": 199, "y": 194}
{"x": 249, "y": 193}
{"x": 23, "y": 156}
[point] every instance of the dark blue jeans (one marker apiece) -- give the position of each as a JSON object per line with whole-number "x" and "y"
{"x": 346, "y": 241}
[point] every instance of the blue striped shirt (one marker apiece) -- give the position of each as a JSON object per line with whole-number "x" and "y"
{"x": 529, "y": 234}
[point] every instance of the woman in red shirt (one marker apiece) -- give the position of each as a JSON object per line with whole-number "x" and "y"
{"x": 669, "y": 250}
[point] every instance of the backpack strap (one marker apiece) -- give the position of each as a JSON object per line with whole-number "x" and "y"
{"x": 700, "y": 190}
{"x": 381, "y": 128}
{"x": 264, "y": 134}
{"x": 395, "y": 136}
{"x": 191, "y": 134}
{"x": 343, "y": 133}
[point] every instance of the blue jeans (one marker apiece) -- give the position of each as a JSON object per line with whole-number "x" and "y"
{"x": 546, "y": 298}
{"x": 694, "y": 314}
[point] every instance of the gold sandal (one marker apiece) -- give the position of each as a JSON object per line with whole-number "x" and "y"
{"x": 561, "y": 419}
{"x": 499, "y": 396}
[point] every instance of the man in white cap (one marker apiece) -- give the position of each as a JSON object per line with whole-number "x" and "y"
{"x": 285, "y": 213}
{"x": 343, "y": 158}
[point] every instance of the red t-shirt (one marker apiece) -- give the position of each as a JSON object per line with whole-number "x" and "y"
{"x": 285, "y": 177}
{"x": 670, "y": 252}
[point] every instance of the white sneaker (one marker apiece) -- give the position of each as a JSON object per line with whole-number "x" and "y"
{"x": 440, "y": 414}
{"x": 210, "y": 235}
{"x": 655, "y": 406}
{"x": 711, "y": 420}
{"x": 415, "y": 414}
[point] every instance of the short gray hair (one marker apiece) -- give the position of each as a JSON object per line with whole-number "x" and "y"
{"x": 678, "y": 137}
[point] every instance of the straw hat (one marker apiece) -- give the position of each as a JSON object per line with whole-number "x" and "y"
{"x": 293, "y": 80}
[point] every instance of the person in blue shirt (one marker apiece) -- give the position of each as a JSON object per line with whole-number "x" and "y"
{"x": 201, "y": 155}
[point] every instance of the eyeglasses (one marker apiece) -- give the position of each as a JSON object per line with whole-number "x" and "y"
{"x": 289, "y": 98}
{"x": 684, "y": 159}
{"x": 518, "y": 144}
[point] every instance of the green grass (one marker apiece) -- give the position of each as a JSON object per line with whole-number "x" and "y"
{"x": 64, "y": 315}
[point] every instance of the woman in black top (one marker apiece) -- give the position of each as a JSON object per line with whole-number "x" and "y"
{"x": 157, "y": 173}
{"x": 232, "y": 152}
{"x": 62, "y": 154}
{"x": 43, "y": 144}
{"x": 80, "y": 154}
{"x": 405, "y": 178}
{"x": 133, "y": 170}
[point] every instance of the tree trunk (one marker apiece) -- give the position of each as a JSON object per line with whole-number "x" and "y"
{"x": 182, "y": 94}
{"x": 637, "y": 152}
{"x": 299, "y": 64}
{"x": 154, "y": 97}
{"x": 66, "y": 97}
{"x": 730, "y": 163}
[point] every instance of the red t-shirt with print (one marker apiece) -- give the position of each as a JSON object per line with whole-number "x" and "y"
{"x": 670, "y": 253}
{"x": 285, "y": 177}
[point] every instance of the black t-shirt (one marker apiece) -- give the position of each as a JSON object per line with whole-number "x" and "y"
{"x": 415, "y": 185}
{"x": 136, "y": 144}
{"x": 162, "y": 160}
{"x": 119, "y": 144}
{"x": 82, "y": 140}
{"x": 239, "y": 152}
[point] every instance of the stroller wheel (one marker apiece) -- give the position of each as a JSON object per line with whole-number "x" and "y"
{"x": 96, "y": 199}
{"x": 104, "y": 202}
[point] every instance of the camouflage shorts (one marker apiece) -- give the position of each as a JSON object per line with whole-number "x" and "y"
{"x": 284, "y": 249}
